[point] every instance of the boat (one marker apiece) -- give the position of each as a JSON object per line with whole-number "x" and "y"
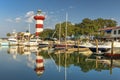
{"x": 94, "y": 48}
{"x": 62, "y": 46}
{"x": 32, "y": 42}
{"x": 12, "y": 41}
{"x": 4, "y": 43}
{"x": 116, "y": 44}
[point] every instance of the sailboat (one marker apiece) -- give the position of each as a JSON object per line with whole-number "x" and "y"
{"x": 63, "y": 45}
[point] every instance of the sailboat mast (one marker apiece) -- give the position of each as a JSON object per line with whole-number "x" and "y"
{"x": 66, "y": 30}
{"x": 60, "y": 32}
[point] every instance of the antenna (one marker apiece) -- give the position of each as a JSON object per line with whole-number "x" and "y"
{"x": 29, "y": 28}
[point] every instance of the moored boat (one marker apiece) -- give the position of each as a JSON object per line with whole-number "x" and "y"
{"x": 4, "y": 43}
{"x": 63, "y": 46}
{"x": 94, "y": 48}
{"x": 12, "y": 41}
{"x": 32, "y": 42}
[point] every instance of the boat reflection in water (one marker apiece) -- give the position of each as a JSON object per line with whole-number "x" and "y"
{"x": 27, "y": 51}
{"x": 30, "y": 63}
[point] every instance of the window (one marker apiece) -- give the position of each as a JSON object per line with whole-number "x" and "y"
{"x": 114, "y": 31}
{"x": 118, "y": 31}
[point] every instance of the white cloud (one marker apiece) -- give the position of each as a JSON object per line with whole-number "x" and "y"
{"x": 29, "y": 16}
{"x": 18, "y": 19}
{"x": 9, "y": 20}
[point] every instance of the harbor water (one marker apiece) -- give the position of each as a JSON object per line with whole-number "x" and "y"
{"x": 27, "y": 63}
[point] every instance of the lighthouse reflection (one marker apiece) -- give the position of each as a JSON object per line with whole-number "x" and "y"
{"x": 39, "y": 69}
{"x": 32, "y": 55}
{"x": 51, "y": 64}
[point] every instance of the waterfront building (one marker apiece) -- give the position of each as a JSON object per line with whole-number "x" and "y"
{"x": 111, "y": 33}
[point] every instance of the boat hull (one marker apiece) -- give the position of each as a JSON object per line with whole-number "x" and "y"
{"x": 94, "y": 49}
{"x": 62, "y": 46}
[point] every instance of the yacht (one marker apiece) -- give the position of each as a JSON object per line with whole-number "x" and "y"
{"x": 94, "y": 48}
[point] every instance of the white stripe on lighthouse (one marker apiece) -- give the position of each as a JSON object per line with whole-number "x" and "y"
{"x": 39, "y": 29}
{"x": 39, "y": 21}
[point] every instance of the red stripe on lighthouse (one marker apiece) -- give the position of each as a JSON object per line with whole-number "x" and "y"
{"x": 39, "y": 60}
{"x": 39, "y": 25}
{"x": 39, "y": 17}
{"x": 37, "y": 34}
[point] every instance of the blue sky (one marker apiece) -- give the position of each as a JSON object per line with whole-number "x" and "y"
{"x": 18, "y": 14}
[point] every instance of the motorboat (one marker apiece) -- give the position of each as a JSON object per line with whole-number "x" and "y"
{"x": 94, "y": 48}
{"x": 4, "y": 43}
{"x": 116, "y": 44}
{"x": 32, "y": 42}
{"x": 12, "y": 41}
{"x": 62, "y": 46}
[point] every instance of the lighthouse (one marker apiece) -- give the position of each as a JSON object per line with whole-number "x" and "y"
{"x": 39, "y": 23}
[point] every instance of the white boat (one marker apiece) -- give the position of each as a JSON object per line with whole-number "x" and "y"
{"x": 4, "y": 43}
{"x": 116, "y": 44}
{"x": 12, "y": 41}
{"x": 93, "y": 48}
{"x": 32, "y": 42}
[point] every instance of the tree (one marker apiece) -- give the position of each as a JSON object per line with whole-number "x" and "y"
{"x": 70, "y": 29}
{"x": 8, "y": 34}
{"x": 47, "y": 33}
{"x": 87, "y": 27}
{"x": 90, "y": 27}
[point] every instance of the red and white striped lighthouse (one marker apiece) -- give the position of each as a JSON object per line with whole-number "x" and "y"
{"x": 39, "y": 23}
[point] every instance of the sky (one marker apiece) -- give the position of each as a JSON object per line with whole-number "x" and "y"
{"x": 17, "y": 15}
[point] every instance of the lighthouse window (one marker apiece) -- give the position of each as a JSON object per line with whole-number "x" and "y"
{"x": 114, "y": 31}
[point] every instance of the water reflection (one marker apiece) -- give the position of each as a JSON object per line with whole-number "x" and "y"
{"x": 37, "y": 63}
{"x": 85, "y": 62}
{"x": 39, "y": 69}
{"x": 69, "y": 65}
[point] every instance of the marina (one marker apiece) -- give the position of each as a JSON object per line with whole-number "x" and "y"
{"x": 59, "y": 40}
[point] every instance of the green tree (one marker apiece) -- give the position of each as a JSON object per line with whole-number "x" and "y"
{"x": 69, "y": 27}
{"x": 90, "y": 27}
{"x": 47, "y": 33}
{"x": 8, "y": 34}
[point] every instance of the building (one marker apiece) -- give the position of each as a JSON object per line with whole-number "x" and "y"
{"x": 111, "y": 33}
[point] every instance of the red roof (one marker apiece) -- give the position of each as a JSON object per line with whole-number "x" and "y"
{"x": 109, "y": 28}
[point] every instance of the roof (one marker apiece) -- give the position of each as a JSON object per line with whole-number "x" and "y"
{"x": 109, "y": 28}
